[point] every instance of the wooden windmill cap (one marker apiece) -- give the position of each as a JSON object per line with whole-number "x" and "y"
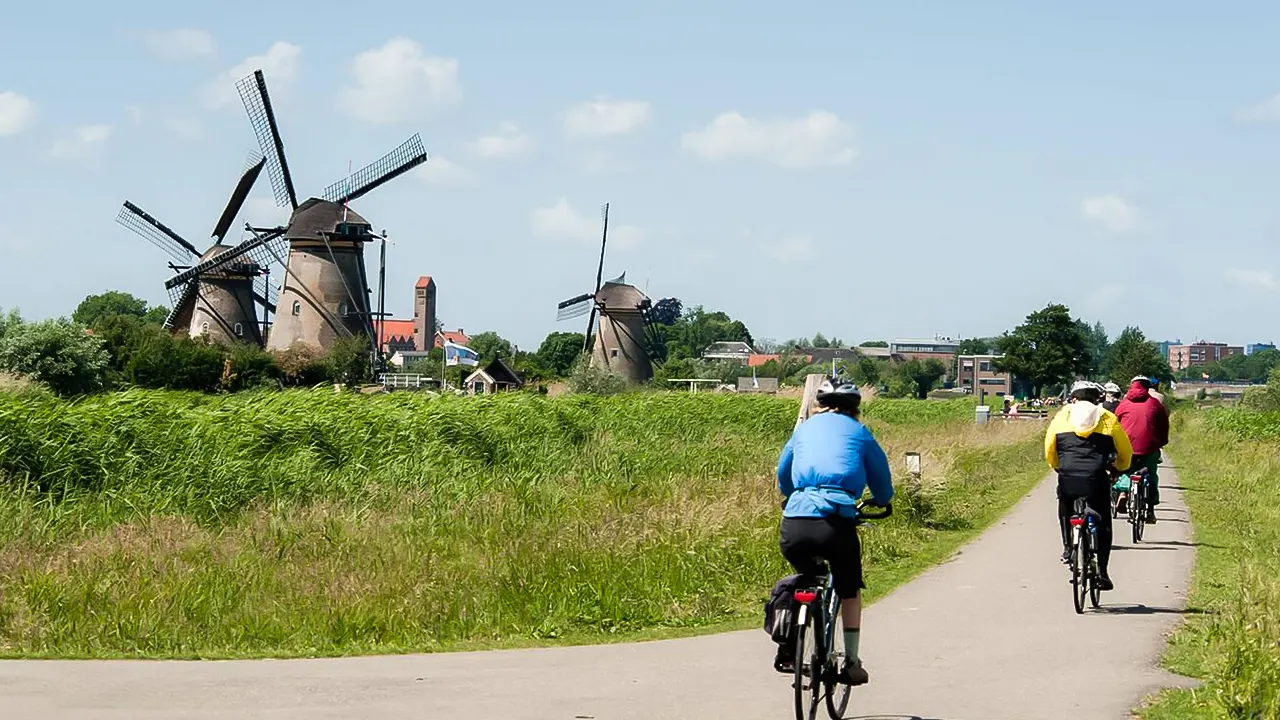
{"x": 316, "y": 217}
{"x": 620, "y": 297}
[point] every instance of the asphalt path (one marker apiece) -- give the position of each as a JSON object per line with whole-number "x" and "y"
{"x": 990, "y": 634}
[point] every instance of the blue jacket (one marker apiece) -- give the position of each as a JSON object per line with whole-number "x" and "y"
{"x": 826, "y": 465}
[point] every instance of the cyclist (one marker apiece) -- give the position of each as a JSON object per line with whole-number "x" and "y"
{"x": 829, "y": 461}
{"x": 1146, "y": 422}
{"x": 1113, "y": 396}
{"x": 1083, "y": 442}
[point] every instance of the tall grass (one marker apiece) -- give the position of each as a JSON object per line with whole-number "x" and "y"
{"x": 1233, "y": 638}
{"x": 150, "y": 523}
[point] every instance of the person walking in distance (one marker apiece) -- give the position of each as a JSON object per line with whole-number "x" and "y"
{"x": 1146, "y": 422}
{"x": 824, "y": 468}
{"x": 1083, "y": 442}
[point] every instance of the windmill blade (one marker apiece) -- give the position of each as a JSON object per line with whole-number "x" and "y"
{"x": 239, "y": 251}
{"x": 574, "y": 307}
{"x": 137, "y": 220}
{"x": 257, "y": 103}
{"x": 238, "y": 196}
{"x": 410, "y": 154}
{"x": 179, "y": 297}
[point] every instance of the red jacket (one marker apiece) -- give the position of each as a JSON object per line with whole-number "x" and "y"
{"x": 1144, "y": 420}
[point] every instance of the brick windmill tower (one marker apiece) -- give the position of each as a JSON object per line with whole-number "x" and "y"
{"x": 326, "y": 293}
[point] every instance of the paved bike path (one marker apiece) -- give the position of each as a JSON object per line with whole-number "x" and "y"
{"x": 988, "y": 635}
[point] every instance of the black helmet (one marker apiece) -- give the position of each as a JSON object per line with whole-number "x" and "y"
{"x": 838, "y": 392}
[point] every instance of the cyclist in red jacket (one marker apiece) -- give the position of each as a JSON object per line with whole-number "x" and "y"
{"x": 1146, "y": 421}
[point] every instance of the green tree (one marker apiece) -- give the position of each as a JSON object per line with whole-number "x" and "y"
{"x": 868, "y": 371}
{"x": 347, "y": 360}
{"x": 58, "y": 353}
{"x": 976, "y": 346}
{"x": 1098, "y": 345}
{"x": 558, "y": 351}
{"x": 1047, "y": 348}
{"x": 490, "y": 345}
{"x": 1132, "y": 355}
{"x": 94, "y": 308}
{"x": 874, "y": 343}
{"x": 697, "y": 329}
{"x": 666, "y": 311}
{"x": 924, "y": 374}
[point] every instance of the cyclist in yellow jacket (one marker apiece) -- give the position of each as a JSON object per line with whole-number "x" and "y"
{"x": 1083, "y": 443}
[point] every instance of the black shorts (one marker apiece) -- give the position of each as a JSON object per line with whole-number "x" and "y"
{"x": 807, "y": 542}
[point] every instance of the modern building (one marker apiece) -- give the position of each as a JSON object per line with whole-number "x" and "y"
{"x": 1258, "y": 347}
{"x": 978, "y": 373}
{"x": 732, "y": 351}
{"x": 1199, "y": 353}
{"x": 935, "y": 348}
{"x": 1164, "y": 347}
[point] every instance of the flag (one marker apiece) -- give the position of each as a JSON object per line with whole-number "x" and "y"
{"x": 460, "y": 355}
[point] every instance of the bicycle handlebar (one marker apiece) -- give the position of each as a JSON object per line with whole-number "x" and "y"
{"x": 884, "y": 512}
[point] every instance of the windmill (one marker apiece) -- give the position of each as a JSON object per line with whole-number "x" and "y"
{"x": 625, "y": 335}
{"x": 326, "y": 295}
{"x": 217, "y": 291}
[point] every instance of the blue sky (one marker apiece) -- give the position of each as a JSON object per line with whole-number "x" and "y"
{"x": 862, "y": 169}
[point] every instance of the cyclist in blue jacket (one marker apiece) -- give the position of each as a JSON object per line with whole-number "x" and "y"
{"x": 829, "y": 461}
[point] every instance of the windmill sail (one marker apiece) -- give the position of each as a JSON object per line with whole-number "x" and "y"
{"x": 253, "y": 93}
{"x": 222, "y": 259}
{"x": 574, "y": 307}
{"x": 410, "y": 154}
{"x": 137, "y": 220}
{"x": 237, "y": 198}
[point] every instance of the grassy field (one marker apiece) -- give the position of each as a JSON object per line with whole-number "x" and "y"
{"x": 162, "y": 524}
{"x": 1229, "y": 461}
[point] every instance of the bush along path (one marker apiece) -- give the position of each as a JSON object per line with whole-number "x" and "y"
{"x": 988, "y": 635}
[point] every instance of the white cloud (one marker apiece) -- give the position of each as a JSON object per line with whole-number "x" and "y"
{"x": 563, "y": 223}
{"x": 791, "y": 249}
{"x": 508, "y": 141}
{"x": 180, "y": 43}
{"x": 397, "y": 82}
{"x": 601, "y": 117}
{"x": 279, "y": 64}
{"x": 17, "y": 113}
{"x": 82, "y": 143}
{"x": 1255, "y": 279}
{"x": 1268, "y": 111}
{"x": 817, "y": 139}
{"x": 1112, "y": 212}
{"x": 441, "y": 171}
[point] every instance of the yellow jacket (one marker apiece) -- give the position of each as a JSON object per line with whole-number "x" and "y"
{"x": 1082, "y": 441}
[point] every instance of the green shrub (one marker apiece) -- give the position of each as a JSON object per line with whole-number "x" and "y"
{"x": 57, "y": 353}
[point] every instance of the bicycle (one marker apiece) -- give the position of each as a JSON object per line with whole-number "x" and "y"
{"x": 1084, "y": 560}
{"x": 820, "y": 655}
{"x": 1138, "y": 493}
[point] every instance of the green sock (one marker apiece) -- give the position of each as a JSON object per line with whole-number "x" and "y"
{"x": 851, "y": 644}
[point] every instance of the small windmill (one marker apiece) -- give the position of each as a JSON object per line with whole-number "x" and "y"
{"x": 624, "y": 337}
{"x": 217, "y": 291}
{"x": 326, "y": 293}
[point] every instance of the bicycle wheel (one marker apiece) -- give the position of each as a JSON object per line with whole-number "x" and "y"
{"x": 807, "y": 669}
{"x": 1078, "y": 580}
{"x": 837, "y": 692}
{"x": 1138, "y": 516}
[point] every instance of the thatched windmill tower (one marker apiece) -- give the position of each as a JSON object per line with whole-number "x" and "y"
{"x": 326, "y": 294}
{"x": 217, "y": 291}
{"x": 624, "y": 339}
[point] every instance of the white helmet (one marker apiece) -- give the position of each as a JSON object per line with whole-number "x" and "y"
{"x": 837, "y": 391}
{"x": 1111, "y": 388}
{"x": 1086, "y": 390}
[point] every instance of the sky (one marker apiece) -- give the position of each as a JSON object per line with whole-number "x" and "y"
{"x": 864, "y": 170}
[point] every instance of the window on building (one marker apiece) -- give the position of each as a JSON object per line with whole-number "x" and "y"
{"x": 297, "y": 308}
{"x": 342, "y": 309}
{"x": 984, "y": 366}
{"x": 613, "y": 352}
{"x": 239, "y": 330}
{"x": 204, "y": 328}
{"x": 991, "y": 381}
{"x": 422, "y": 292}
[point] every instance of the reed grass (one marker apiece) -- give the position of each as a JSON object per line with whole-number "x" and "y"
{"x": 167, "y": 524}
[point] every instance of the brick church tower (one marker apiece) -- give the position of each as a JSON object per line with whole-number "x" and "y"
{"x": 424, "y": 314}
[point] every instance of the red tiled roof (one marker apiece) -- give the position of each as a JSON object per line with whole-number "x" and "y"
{"x": 395, "y": 329}
{"x": 758, "y": 359}
{"x": 457, "y": 337}
{"x": 424, "y": 281}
